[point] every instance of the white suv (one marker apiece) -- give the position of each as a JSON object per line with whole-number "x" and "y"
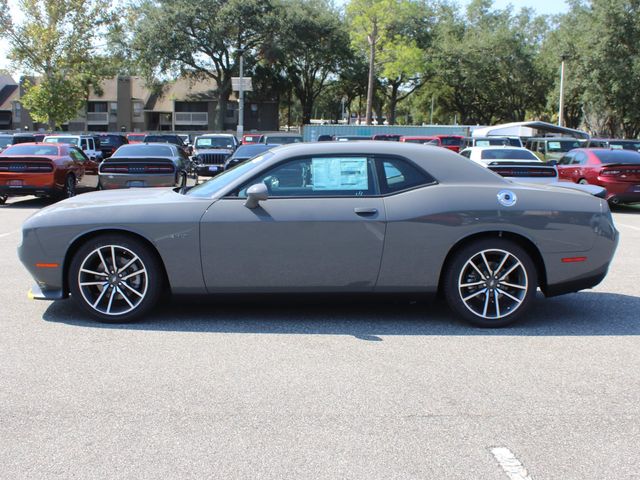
{"x": 86, "y": 143}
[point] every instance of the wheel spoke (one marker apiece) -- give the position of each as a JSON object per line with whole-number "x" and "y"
{"x": 486, "y": 264}
{"x": 137, "y": 272}
{"x": 509, "y": 271}
{"x": 104, "y": 290}
{"x": 473, "y": 295}
{"x": 125, "y": 297}
{"x": 122, "y": 269}
{"x": 86, "y": 284}
{"x": 106, "y": 267}
{"x": 513, "y": 285}
{"x": 477, "y": 269}
{"x": 113, "y": 293}
{"x": 113, "y": 259}
{"x": 497, "y": 302}
{"x": 486, "y": 303}
{"x": 133, "y": 290}
{"x": 474, "y": 284}
{"x": 515, "y": 299}
{"x": 504, "y": 260}
{"x": 91, "y": 272}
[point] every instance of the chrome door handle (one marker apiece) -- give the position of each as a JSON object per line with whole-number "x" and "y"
{"x": 365, "y": 211}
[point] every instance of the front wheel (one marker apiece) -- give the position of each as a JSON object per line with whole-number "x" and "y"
{"x": 491, "y": 282}
{"x": 115, "y": 278}
{"x": 3, "y": 199}
{"x": 69, "y": 188}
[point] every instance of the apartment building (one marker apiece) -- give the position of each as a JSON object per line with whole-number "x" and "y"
{"x": 126, "y": 103}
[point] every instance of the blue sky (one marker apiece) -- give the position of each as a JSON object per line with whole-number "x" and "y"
{"x": 541, "y": 6}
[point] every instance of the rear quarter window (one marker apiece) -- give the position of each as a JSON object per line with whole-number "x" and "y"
{"x": 396, "y": 175}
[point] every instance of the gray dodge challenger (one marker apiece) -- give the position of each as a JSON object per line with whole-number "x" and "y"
{"x": 329, "y": 217}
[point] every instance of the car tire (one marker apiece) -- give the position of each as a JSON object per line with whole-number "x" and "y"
{"x": 583, "y": 181}
{"x": 69, "y": 188}
{"x": 490, "y": 283}
{"x": 3, "y": 199}
{"x": 115, "y": 295}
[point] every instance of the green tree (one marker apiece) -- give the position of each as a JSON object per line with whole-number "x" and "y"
{"x": 199, "y": 39}
{"x": 313, "y": 46}
{"x": 56, "y": 42}
{"x": 487, "y": 63}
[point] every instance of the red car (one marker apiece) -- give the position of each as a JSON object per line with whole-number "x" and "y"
{"x": 616, "y": 170}
{"x": 450, "y": 142}
{"x": 251, "y": 138}
{"x": 136, "y": 137}
{"x": 45, "y": 170}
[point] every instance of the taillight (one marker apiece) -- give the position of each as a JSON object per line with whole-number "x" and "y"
{"x": 114, "y": 169}
{"x": 158, "y": 169}
{"x": 610, "y": 173}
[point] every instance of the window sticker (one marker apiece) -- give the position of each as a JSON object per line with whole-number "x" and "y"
{"x": 554, "y": 145}
{"x": 483, "y": 143}
{"x": 339, "y": 173}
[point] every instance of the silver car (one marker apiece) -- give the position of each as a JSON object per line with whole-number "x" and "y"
{"x": 144, "y": 165}
{"x": 328, "y": 217}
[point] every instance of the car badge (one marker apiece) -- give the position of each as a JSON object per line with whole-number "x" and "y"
{"x": 507, "y": 198}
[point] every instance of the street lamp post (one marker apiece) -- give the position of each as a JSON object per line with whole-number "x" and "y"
{"x": 561, "y": 106}
{"x": 241, "y": 97}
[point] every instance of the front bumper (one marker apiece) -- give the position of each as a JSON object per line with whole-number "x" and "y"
{"x": 204, "y": 170}
{"x": 37, "y": 293}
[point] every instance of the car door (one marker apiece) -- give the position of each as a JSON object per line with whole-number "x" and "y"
{"x": 89, "y": 178}
{"x": 321, "y": 229}
{"x": 565, "y": 167}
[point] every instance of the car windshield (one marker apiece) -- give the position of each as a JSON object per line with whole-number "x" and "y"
{"x": 31, "y": 150}
{"x": 143, "y": 151}
{"x": 210, "y": 187}
{"x": 282, "y": 140}
{"x": 618, "y": 156}
{"x": 4, "y": 141}
{"x": 628, "y": 145}
{"x": 107, "y": 140}
{"x": 214, "y": 142}
{"x": 69, "y": 140}
{"x": 507, "y": 154}
{"x": 562, "y": 145}
{"x": 486, "y": 142}
{"x": 163, "y": 139}
{"x": 451, "y": 141}
{"x": 251, "y": 138}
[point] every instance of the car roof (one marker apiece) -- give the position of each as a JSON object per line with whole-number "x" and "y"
{"x": 496, "y": 147}
{"x": 216, "y": 135}
{"x": 441, "y": 163}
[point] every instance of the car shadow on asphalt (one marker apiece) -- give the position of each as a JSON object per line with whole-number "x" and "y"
{"x": 585, "y": 313}
{"x": 30, "y": 202}
{"x": 635, "y": 208}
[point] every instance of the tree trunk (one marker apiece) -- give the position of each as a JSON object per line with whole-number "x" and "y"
{"x": 307, "y": 109}
{"x": 372, "y": 59}
{"x": 221, "y": 108}
{"x": 393, "y": 103}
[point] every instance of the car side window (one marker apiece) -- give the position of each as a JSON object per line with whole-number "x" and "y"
{"x": 579, "y": 159}
{"x": 566, "y": 160}
{"x": 397, "y": 174}
{"x": 466, "y": 153}
{"x": 318, "y": 177}
{"x": 76, "y": 155}
{"x": 83, "y": 144}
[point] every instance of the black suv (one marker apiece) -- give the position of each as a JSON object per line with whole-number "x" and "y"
{"x": 108, "y": 143}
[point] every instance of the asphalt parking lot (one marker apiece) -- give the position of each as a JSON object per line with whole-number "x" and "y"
{"x": 328, "y": 390}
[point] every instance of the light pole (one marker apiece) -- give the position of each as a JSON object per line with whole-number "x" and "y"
{"x": 561, "y": 106}
{"x": 241, "y": 99}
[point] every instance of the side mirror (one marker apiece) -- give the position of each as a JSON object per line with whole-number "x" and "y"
{"x": 255, "y": 194}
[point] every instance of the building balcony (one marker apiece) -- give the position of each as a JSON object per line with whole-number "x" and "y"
{"x": 97, "y": 118}
{"x": 191, "y": 118}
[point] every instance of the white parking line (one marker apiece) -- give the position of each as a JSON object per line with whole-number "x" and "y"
{"x": 628, "y": 226}
{"x": 2, "y": 235}
{"x": 510, "y": 464}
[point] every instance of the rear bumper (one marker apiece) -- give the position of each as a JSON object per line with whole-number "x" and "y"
{"x": 624, "y": 192}
{"x": 27, "y": 190}
{"x": 111, "y": 181}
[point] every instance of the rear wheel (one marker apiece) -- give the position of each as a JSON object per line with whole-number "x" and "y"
{"x": 115, "y": 278}
{"x": 69, "y": 188}
{"x": 3, "y": 199}
{"x": 490, "y": 283}
{"x": 583, "y": 181}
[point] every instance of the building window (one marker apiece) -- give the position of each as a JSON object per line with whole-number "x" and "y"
{"x": 137, "y": 109}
